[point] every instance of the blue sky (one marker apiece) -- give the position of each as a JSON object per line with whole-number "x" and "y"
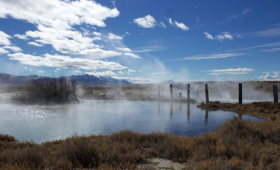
{"x": 143, "y": 41}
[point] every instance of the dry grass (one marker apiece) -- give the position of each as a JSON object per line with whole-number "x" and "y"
{"x": 237, "y": 144}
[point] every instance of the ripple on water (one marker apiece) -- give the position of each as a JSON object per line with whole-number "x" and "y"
{"x": 51, "y": 122}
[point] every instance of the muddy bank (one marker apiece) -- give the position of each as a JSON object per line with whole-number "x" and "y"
{"x": 267, "y": 110}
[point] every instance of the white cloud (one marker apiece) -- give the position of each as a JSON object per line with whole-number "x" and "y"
{"x": 258, "y": 46}
{"x": 214, "y": 56}
{"x": 208, "y": 36}
{"x": 170, "y": 21}
{"x": 132, "y": 55}
{"x": 159, "y": 73}
{"x": 127, "y": 33}
{"x": 148, "y": 49}
{"x": 63, "y": 40}
{"x": 98, "y": 34}
{"x": 55, "y": 20}
{"x": 123, "y": 49}
{"x": 63, "y": 13}
{"x": 268, "y": 33}
{"x": 162, "y": 24}
{"x": 57, "y": 70}
{"x": 4, "y": 38}
{"x": 221, "y": 37}
{"x": 64, "y": 62}
{"x": 120, "y": 72}
{"x": 231, "y": 71}
{"x": 271, "y": 77}
{"x": 25, "y": 68}
{"x": 3, "y": 51}
{"x": 112, "y": 36}
{"x": 134, "y": 79}
{"x": 104, "y": 73}
{"x": 181, "y": 25}
{"x": 114, "y": 2}
{"x": 146, "y": 22}
{"x": 236, "y": 16}
{"x": 246, "y": 11}
{"x": 131, "y": 71}
{"x": 271, "y": 50}
{"x": 35, "y": 44}
{"x": 99, "y": 53}
{"x": 225, "y": 35}
{"x": 41, "y": 71}
{"x": 13, "y": 48}
{"x": 23, "y": 37}
{"x": 239, "y": 36}
{"x": 75, "y": 72}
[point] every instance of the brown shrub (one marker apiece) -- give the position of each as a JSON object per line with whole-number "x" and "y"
{"x": 49, "y": 90}
{"x": 7, "y": 138}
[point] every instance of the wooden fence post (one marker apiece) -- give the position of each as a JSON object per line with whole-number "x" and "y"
{"x": 206, "y": 93}
{"x": 275, "y": 93}
{"x": 158, "y": 91}
{"x": 240, "y": 93}
{"x": 180, "y": 95}
{"x": 171, "y": 92}
{"x": 188, "y": 93}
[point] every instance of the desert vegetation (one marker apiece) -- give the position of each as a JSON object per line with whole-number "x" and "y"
{"x": 48, "y": 90}
{"x": 237, "y": 144}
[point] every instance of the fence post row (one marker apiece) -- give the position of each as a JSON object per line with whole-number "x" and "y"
{"x": 240, "y": 93}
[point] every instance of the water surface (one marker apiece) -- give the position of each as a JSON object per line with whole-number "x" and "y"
{"x": 39, "y": 123}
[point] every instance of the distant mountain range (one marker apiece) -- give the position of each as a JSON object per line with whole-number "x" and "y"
{"x": 81, "y": 79}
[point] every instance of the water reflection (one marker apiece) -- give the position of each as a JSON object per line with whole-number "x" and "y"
{"x": 188, "y": 111}
{"x": 44, "y": 123}
{"x": 171, "y": 109}
{"x": 158, "y": 107}
{"x": 206, "y": 117}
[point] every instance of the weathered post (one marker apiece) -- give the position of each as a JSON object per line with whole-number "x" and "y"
{"x": 171, "y": 92}
{"x": 141, "y": 93}
{"x": 188, "y": 102}
{"x": 158, "y": 92}
{"x": 275, "y": 93}
{"x": 180, "y": 95}
{"x": 188, "y": 93}
{"x": 206, "y": 93}
{"x": 240, "y": 93}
